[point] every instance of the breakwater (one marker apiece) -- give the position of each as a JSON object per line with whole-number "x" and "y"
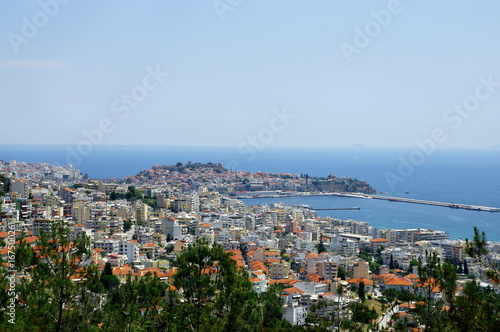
{"x": 336, "y": 209}
{"x": 419, "y": 201}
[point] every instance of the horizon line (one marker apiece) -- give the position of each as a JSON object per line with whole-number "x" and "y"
{"x": 13, "y": 146}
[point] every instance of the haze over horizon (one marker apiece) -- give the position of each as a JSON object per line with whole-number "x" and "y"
{"x": 250, "y": 73}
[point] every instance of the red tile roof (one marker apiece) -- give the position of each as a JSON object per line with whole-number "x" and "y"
{"x": 358, "y": 280}
{"x": 398, "y": 281}
{"x": 293, "y": 291}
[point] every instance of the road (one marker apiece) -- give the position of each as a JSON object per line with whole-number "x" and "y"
{"x": 382, "y": 323}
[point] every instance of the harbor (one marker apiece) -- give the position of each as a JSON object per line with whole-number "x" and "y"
{"x": 280, "y": 194}
{"x": 419, "y": 201}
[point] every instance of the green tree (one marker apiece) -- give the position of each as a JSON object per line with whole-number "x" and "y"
{"x": 127, "y": 225}
{"x": 5, "y": 188}
{"x": 475, "y": 310}
{"x": 413, "y": 263}
{"x": 215, "y": 294}
{"x": 361, "y": 291}
{"x": 169, "y": 248}
{"x": 129, "y": 195}
{"x": 61, "y": 288}
{"x": 435, "y": 275}
{"x": 270, "y": 306}
{"x": 391, "y": 297}
{"x": 341, "y": 272}
{"x": 5, "y": 298}
{"x": 362, "y": 313}
{"x": 204, "y": 275}
{"x": 108, "y": 280}
{"x": 365, "y": 255}
{"x": 108, "y": 270}
{"x": 321, "y": 246}
{"x": 123, "y": 309}
{"x": 133, "y": 193}
{"x": 316, "y": 318}
{"x": 340, "y": 309}
{"x": 477, "y": 249}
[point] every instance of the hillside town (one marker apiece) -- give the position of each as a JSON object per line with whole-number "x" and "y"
{"x": 139, "y": 225}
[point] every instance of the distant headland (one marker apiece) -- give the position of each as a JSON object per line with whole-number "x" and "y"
{"x": 231, "y": 181}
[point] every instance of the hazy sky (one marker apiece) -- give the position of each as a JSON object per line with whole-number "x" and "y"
{"x": 230, "y": 72}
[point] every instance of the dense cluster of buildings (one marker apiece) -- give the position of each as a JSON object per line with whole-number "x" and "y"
{"x": 276, "y": 244}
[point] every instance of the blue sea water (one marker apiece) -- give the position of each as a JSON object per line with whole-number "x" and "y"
{"x": 459, "y": 176}
{"x": 381, "y": 214}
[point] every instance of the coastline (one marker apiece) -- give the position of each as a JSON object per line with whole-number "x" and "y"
{"x": 279, "y": 194}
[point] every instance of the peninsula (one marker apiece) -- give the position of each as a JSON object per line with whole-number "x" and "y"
{"x": 218, "y": 178}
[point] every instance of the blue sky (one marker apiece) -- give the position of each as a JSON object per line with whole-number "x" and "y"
{"x": 228, "y": 67}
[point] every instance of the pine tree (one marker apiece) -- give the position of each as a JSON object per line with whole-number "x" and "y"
{"x": 477, "y": 249}
{"x": 136, "y": 295}
{"x": 216, "y": 293}
{"x": 435, "y": 274}
{"x": 59, "y": 278}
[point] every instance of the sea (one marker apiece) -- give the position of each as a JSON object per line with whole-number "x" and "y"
{"x": 463, "y": 176}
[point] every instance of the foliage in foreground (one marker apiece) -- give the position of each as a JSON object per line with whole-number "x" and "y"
{"x": 62, "y": 290}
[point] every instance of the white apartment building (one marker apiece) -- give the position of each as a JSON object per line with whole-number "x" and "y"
{"x": 110, "y": 246}
{"x": 129, "y": 249}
